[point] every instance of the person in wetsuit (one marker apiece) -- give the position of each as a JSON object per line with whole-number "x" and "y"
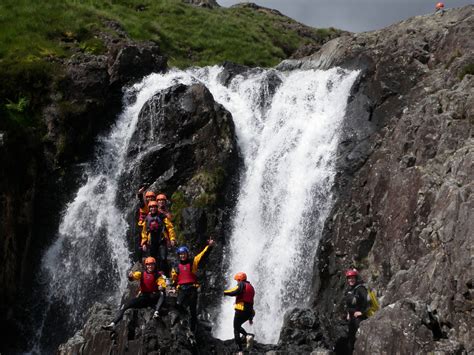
{"x": 244, "y": 294}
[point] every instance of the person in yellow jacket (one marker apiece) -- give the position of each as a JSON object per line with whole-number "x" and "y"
{"x": 143, "y": 199}
{"x": 183, "y": 274}
{"x": 244, "y": 294}
{"x": 159, "y": 234}
{"x": 152, "y": 291}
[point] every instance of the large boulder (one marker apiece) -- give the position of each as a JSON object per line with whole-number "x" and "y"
{"x": 184, "y": 145}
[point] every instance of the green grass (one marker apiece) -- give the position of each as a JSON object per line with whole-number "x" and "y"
{"x": 189, "y": 35}
{"x": 36, "y": 36}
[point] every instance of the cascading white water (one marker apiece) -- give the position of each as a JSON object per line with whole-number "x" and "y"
{"x": 285, "y": 196}
{"x": 288, "y": 138}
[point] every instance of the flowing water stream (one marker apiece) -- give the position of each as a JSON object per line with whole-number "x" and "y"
{"x": 287, "y": 127}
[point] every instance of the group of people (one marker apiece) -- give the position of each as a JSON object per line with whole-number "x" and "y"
{"x": 156, "y": 237}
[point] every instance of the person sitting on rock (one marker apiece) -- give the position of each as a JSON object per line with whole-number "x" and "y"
{"x": 184, "y": 276}
{"x": 159, "y": 233}
{"x": 152, "y": 292}
{"x": 244, "y": 293}
{"x": 357, "y": 305}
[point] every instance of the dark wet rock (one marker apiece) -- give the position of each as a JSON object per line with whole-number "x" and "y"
{"x": 230, "y": 71}
{"x": 133, "y": 61}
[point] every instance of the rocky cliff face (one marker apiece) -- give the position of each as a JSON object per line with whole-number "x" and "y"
{"x": 405, "y": 207}
{"x": 41, "y": 166}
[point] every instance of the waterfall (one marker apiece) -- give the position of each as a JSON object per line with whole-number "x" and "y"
{"x": 289, "y": 145}
{"x": 287, "y": 127}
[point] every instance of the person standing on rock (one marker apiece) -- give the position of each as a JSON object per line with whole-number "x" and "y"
{"x": 159, "y": 233}
{"x": 152, "y": 292}
{"x": 142, "y": 213}
{"x": 439, "y": 8}
{"x": 244, "y": 293}
{"x": 184, "y": 276}
{"x": 162, "y": 201}
{"x": 357, "y": 305}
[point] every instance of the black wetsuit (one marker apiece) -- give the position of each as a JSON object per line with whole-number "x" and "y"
{"x": 356, "y": 301}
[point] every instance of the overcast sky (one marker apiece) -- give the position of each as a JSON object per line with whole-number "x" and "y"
{"x": 351, "y": 15}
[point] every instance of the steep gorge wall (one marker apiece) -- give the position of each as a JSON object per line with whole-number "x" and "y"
{"x": 404, "y": 215}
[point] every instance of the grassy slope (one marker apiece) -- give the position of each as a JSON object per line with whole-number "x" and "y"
{"x": 35, "y": 36}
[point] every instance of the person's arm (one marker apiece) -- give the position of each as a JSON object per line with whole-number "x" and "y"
{"x": 170, "y": 229}
{"x": 161, "y": 282}
{"x": 362, "y": 301}
{"x": 134, "y": 276}
{"x": 141, "y": 199}
{"x": 198, "y": 257}
{"x": 234, "y": 291}
{"x": 174, "y": 274}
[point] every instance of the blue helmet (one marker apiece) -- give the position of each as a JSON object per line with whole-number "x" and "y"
{"x": 183, "y": 249}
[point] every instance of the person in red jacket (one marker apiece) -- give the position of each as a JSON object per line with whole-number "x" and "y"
{"x": 152, "y": 292}
{"x": 159, "y": 232}
{"x": 244, "y": 294}
{"x": 184, "y": 276}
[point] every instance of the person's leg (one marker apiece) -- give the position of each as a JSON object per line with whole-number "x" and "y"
{"x": 193, "y": 308}
{"x": 161, "y": 299}
{"x": 163, "y": 261}
{"x": 239, "y": 319}
{"x": 133, "y": 303}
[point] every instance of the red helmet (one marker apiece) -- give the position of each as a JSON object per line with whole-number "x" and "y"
{"x": 150, "y": 194}
{"x": 352, "y": 272}
{"x": 152, "y": 203}
{"x": 240, "y": 276}
{"x": 439, "y": 5}
{"x": 150, "y": 260}
{"x": 161, "y": 197}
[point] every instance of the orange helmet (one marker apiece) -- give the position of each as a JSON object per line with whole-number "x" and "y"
{"x": 352, "y": 272}
{"x": 152, "y": 203}
{"x": 240, "y": 276}
{"x": 150, "y": 194}
{"x": 439, "y": 5}
{"x": 150, "y": 260}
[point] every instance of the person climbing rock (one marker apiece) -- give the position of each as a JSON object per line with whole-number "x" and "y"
{"x": 152, "y": 292}
{"x": 142, "y": 213}
{"x": 439, "y": 8}
{"x": 163, "y": 204}
{"x": 163, "y": 209}
{"x": 184, "y": 276}
{"x": 244, "y": 293}
{"x": 356, "y": 305}
{"x": 159, "y": 233}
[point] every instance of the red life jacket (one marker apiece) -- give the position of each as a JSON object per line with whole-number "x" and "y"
{"x": 148, "y": 282}
{"x": 185, "y": 275}
{"x": 247, "y": 294}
